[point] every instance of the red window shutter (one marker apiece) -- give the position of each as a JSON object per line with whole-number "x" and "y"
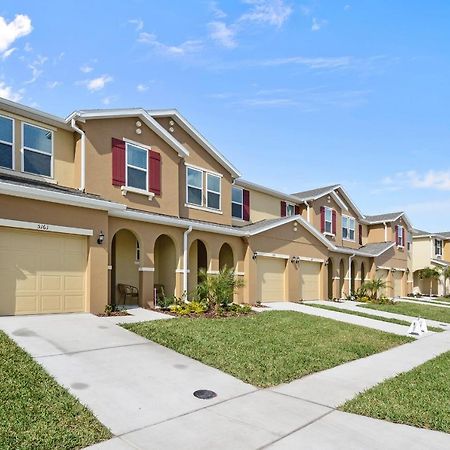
{"x": 360, "y": 233}
{"x": 154, "y": 172}
{"x": 118, "y": 162}
{"x": 396, "y": 234}
{"x": 246, "y": 204}
{"x": 334, "y": 221}
{"x": 297, "y": 210}
{"x": 283, "y": 209}
{"x": 322, "y": 219}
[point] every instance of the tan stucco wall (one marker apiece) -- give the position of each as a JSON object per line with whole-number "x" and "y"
{"x": 16, "y": 208}
{"x": 422, "y": 252}
{"x": 263, "y": 206}
{"x": 63, "y": 150}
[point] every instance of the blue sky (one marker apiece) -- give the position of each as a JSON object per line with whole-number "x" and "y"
{"x": 297, "y": 94}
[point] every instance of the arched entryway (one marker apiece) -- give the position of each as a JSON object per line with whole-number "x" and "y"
{"x": 353, "y": 276}
{"x": 330, "y": 278}
{"x": 125, "y": 254}
{"x": 341, "y": 278}
{"x": 226, "y": 258}
{"x": 165, "y": 266}
{"x": 198, "y": 260}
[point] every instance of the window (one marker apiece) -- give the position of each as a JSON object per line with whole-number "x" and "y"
{"x": 328, "y": 220}
{"x": 212, "y": 191}
{"x": 400, "y": 236}
{"x": 138, "y": 251}
{"x": 348, "y": 228}
{"x": 137, "y": 167}
{"x": 194, "y": 186}
{"x": 437, "y": 247}
{"x": 6, "y": 142}
{"x": 290, "y": 209}
{"x": 237, "y": 203}
{"x": 37, "y": 150}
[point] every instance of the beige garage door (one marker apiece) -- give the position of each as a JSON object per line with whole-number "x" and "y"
{"x": 271, "y": 274}
{"x": 383, "y": 274}
{"x": 309, "y": 280}
{"x": 41, "y": 273}
{"x": 397, "y": 280}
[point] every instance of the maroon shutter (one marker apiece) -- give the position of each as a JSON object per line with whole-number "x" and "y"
{"x": 334, "y": 222}
{"x": 322, "y": 219}
{"x": 297, "y": 210}
{"x": 283, "y": 209}
{"x": 360, "y": 234}
{"x": 118, "y": 162}
{"x": 154, "y": 172}
{"x": 246, "y": 204}
{"x": 396, "y": 234}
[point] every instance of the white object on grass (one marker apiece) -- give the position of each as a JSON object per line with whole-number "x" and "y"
{"x": 414, "y": 328}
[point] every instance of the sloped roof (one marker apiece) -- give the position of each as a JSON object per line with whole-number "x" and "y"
{"x": 315, "y": 193}
{"x": 445, "y": 234}
{"x": 257, "y": 187}
{"x": 376, "y": 248}
{"x": 387, "y": 217}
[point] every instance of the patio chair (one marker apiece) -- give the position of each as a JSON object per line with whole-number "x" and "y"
{"x": 128, "y": 291}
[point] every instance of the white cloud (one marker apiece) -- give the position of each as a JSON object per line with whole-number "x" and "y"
{"x": 324, "y": 62}
{"x": 216, "y": 11}
{"x": 8, "y": 53}
{"x": 8, "y": 92}
{"x": 347, "y": 7}
{"x": 36, "y": 68}
{"x": 305, "y": 10}
{"x": 54, "y": 84}
{"x": 272, "y": 12}
{"x": 317, "y": 24}
{"x": 9, "y": 32}
{"x": 432, "y": 179}
{"x": 97, "y": 84}
{"x": 85, "y": 68}
{"x": 141, "y": 87}
{"x": 189, "y": 46}
{"x": 138, "y": 24}
{"x": 27, "y": 47}
{"x": 108, "y": 100}
{"x": 221, "y": 33}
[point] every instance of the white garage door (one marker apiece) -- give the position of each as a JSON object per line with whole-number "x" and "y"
{"x": 309, "y": 280}
{"x": 397, "y": 280}
{"x": 41, "y": 273}
{"x": 383, "y": 274}
{"x": 271, "y": 279}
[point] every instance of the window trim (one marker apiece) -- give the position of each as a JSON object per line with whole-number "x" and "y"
{"x": 195, "y": 187}
{"x": 213, "y": 192}
{"x": 349, "y": 218}
{"x": 293, "y": 205}
{"x": 441, "y": 247}
{"x": 29, "y": 149}
{"x": 329, "y": 233}
{"x": 13, "y": 143}
{"x": 236, "y": 203}
{"x": 135, "y": 167}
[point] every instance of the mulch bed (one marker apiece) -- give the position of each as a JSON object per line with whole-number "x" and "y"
{"x": 114, "y": 313}
{"x": 207, "y": 314}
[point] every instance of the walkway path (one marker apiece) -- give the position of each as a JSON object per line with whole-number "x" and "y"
{"x": 439, "y": 305}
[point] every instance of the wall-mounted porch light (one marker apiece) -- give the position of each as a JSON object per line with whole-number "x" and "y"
{"x": 101, "y": 238}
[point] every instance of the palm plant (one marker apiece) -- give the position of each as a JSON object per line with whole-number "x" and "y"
{"x": 445, "y": 273}
{"x": 374, "y": 287}
{"x": 429, "y": 273}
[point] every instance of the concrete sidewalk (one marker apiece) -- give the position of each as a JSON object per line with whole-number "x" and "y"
{"x": 353, "y": 306}
{"x": 394, "y": 328}
{"x": 439, "y": 305}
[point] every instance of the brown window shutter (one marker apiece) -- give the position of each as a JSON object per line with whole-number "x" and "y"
{"x": 246, "y": 204}
{"x": 360, "y": 230}
{"x": 283, "y": 208}
{"x": 118, "y": 162}
{"x": 396, "y": 234}
{"x": 333, "y": 222}
{"x": 154, "y": 172}
{"x": 322, "y": 219}
{"x": 297, "y": 210}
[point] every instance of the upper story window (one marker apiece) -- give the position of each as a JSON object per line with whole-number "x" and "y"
{"x": 212, "y": 191}
{"x": 400, "y": 236}
{"x": 290, "y": 209}
{"x": 6, "y": 142}
{"x": 194, "y": 186}
{"x": 37, "y": 150}
{"x": 328, "y": 220}
{"x": 136, "y": 167}
{"x": 237, "y": 203}
{"x": 348, "y": 228}
{"x": 438, "y": 247}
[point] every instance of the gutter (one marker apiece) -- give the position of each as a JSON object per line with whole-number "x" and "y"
{"x": 83, "y": 154}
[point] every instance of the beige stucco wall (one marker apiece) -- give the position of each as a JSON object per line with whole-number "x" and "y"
{"x": 376, "y": 233}
{"x": 422, "y": 252}
{"x": 264, "y": 206}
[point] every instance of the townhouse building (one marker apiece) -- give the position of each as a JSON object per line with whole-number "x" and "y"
{"x": 139, "y": 197}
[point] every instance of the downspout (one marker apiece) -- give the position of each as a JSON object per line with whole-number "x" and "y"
{"x": 350, "y": 258}
{"x": 83, "y": 154}
{"x": 385, "y": 231}
{"x": 185, "y": 261}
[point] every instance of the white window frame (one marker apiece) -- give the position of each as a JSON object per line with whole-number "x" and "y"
{"x": 136, "y": 167}
{"x": 12, "y": 144}
{"x": 348, "y": 228}
{"x": 29, "y": 149}
{"x": 213, "y": 192}
{"x": 290, "y": 205}
{"x": 330, "y": 233}
{"x": 202, "y": 172}
{"x": 236, "y": 203}
{"x": 401, "y": 236}
{"x": 440, "y": 246}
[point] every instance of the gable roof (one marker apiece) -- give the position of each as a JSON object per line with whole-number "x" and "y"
{"x": 257, "y": 187}
{"x": 314, "y": 194}
{"x": 445, "y": 234}
{"x": 197, "y": 136}
{"x": 387, "y": 217}
{"x": 421, "y": 233}
{"x": 88, "y": 114}
{"x": 376, "y": 248}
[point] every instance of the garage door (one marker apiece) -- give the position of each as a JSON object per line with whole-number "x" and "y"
{"x": 397, "y": 280}
{"x": 383, "y": 274}
{"x": 271, "y": 278}
{"x": 41, "y": 273}
{"x": 310, "y": 280}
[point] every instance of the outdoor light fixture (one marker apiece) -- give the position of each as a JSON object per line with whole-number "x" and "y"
{"x": 254, "y": 255}
{"x": 101, "y": 238}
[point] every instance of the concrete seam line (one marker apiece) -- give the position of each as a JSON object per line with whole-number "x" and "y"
{"x": 297, "y": 429}
{"x": 304, "y": 399}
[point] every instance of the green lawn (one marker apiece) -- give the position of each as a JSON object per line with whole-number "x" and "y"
{"x": 419, "y": 397}
{"x": 268, "y": 348}
{"x": 37, "y": 413}
{"x": 415, "y": 310}
{"x": 368, "y": 316}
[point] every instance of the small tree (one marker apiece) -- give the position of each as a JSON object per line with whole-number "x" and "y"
{"x": 374, "y": 287}
{"x": 430, "y": 273}
{"x": 445, "y": 273}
